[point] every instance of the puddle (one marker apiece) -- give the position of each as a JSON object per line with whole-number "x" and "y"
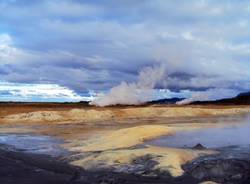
{"x": 232, "y": 136}
{"x": 34, "y": 144}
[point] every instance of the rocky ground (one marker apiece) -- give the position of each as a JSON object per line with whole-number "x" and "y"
{"x": 20, "y": 168}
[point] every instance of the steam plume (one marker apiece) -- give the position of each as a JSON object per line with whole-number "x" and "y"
{"x": 136, "y": 92}
{"x": 210, "y": 94}
{"x": 200, "y": 96}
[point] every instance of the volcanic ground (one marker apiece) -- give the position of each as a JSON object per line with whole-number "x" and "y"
{"x": 69, "y": 143}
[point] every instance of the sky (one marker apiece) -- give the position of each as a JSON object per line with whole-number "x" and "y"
{"x": 71, "y": 50}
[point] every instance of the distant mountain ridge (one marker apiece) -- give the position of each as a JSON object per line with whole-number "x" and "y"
{"x": 165, "y": 101}
{"x": 240, "y": 99}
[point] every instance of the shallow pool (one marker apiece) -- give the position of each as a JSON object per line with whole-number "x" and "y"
{"x": 39, "y": 144}
{"x": 211, "y": 138}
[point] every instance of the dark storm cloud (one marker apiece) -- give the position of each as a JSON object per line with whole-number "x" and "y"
{"x": 97, "y": 44}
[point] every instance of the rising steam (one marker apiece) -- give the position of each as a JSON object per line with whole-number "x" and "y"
{"x": 142, "y": 90}
{"x": 134, "y": 93}
{"x": 210, "y": 94}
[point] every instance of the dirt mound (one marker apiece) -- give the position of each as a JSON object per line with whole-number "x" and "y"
{"x": 117, "y": 114}
{"x": 44, "y": 116}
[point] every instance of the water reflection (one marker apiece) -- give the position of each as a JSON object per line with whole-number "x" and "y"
{"x": 210, "y": 138}
{"x": 33, "y": 144}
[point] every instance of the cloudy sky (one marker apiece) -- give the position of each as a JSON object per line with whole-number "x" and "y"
{"x": 68, "y": 50}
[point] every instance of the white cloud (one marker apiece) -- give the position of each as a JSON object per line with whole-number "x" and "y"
{"x": 5, "y": 39}
{"x": 38, "y": 92}
{"x": 188, "y": 36}
{"x": 92, "y": 45}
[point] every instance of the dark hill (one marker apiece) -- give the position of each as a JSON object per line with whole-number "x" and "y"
{"x": 241, "y": 99}
{"x": 165, "y": 101}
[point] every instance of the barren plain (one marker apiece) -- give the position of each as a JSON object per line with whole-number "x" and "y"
{"x": 114, "y": 139}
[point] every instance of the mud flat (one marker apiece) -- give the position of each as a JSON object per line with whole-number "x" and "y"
{"x": 23, "y": 168}
{"x": 110, "y": 145}
{"x": 20, "y": 168}
{"x": 113, "y": 115}
{"x": 232, "y": 162}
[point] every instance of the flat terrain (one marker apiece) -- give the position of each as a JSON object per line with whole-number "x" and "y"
{"x": 115, "y": 138}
